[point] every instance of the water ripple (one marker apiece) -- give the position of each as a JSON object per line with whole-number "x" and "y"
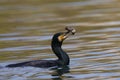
{"x": 31, "y": 38}
{"x": 93, "y": 50}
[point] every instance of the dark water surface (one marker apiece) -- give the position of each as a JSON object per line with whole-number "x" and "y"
{"x": 26, "y": 29}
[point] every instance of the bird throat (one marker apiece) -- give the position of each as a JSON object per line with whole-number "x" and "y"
{"x": 62, "y": 55}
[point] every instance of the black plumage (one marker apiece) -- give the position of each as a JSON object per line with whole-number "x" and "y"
{"x": 63, "y": 58}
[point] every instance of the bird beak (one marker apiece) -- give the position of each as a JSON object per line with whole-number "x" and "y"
{"x": 70, "y": 31}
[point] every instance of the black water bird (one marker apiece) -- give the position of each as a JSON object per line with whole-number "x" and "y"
{"x": 63, "y": 58}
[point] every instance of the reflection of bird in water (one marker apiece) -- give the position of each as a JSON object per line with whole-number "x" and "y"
{"x": 57, "y": 74}
{"x": 63, "y": 58}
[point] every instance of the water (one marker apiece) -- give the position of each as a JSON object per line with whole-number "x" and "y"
{"x": 26, "y": 29}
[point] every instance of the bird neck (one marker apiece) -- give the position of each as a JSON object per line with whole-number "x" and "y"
{"x": 62, "y": 55}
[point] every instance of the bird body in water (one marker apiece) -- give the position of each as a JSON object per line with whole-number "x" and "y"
{"x": 63, "y": 58}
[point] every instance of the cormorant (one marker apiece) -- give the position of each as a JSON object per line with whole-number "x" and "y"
{"x": 63, "y": 58}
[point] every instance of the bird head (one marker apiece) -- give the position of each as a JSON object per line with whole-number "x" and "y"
{"x": 61, "y": 36}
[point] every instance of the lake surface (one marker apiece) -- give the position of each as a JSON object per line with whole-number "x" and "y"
{"x": 26, "y": 29}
